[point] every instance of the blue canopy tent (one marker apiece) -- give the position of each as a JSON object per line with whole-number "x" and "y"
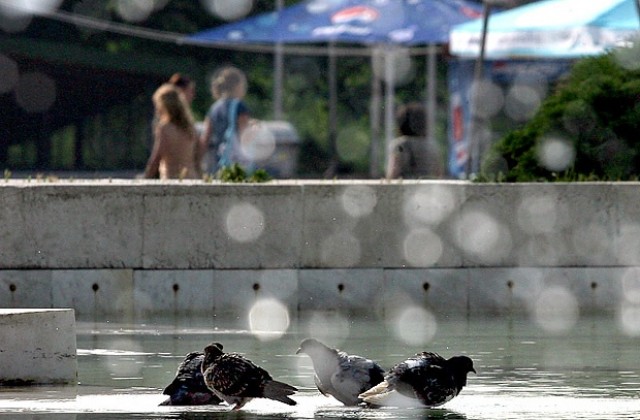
{"x": 550, "y": 29}
{"x": 371, "y": 23}
{"x": 554, "y": 31}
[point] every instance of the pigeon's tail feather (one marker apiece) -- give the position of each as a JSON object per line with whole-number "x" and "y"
{"x": 279, "y": 391}
{"x": 384, "y": 395}
{"x": 377, "y": 394}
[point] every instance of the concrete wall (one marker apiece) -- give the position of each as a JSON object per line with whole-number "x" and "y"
{"x": 137, "y": 247}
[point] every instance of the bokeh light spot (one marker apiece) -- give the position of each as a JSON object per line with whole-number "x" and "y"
{"x": 537, "y": 214}
{"x": 244, "y": 222}
{"x": 627, "y": 57}
{"x": 402, "y": 65}
{"x": 35, "y": 92}
{"x": 631, "y": 285}
{"x": 135, "y": 10}
{"x": 483, "y": 237}
{"x": 268, "y": 319}
{"x": 329, "y": 326}
{"x": 521, "y": 102}
{"x": 352, "y": 143}
{"x": 415, "y": 325}
{"x": 359, "y": 201}
{"x": 429, "y": 207}
{"x": 257, "y": 143}
{"x": 228, "y": 10}
{"x": 556, "y": 154}
{"x": 489, "y": 98}
{"x": 422, "y": 248}
{"x": 556, "y": 310}
{"x": 9, "y": 72}
{"x": 629, "y": 319}
{"x": 340, "y": 249}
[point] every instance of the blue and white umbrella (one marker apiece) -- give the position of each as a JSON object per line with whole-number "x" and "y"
{"x": 550, "y": 29}
{"x": 397, "y": 22}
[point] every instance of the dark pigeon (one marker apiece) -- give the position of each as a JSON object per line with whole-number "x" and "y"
{"x": 427, "y": 377}
{"x": 188, "y": 387}
{"x": 237, "y": 380}
{"x": 339, "y": 374}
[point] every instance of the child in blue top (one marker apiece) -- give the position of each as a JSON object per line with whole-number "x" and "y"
{"x": 226, "y": 120}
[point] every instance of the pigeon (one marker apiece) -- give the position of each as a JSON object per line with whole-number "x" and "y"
{"x": 188, "y": 387}
{"x": 427, "y": 377}
{"x": 237, "y": 380}
{"x": 339, "y": 374}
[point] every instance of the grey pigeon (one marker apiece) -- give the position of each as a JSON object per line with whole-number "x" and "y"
{"x": 339, "y": 374}
{"x": 427, "y": 377}
{"x": 237, "y": 380}
{"x": 188, "y": 387}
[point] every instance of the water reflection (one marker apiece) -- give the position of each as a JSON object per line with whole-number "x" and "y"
{"x": 591, "y": 371}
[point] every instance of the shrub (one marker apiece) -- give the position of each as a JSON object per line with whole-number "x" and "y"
{"x": 595, "y": 111}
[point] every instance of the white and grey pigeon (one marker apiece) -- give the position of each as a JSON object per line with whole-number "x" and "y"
{"x": 237, "y": 380}
{"x": 426, "y": 378}
{"x": 339, "y": 374}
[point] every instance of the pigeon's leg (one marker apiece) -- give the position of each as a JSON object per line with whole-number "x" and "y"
{"x": 240, "y": 403}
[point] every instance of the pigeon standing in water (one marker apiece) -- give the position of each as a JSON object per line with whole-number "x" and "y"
{"x": 341, "y": 375}
{"x": 426, "y": 377}
{"x": 188, "y": 387}
{"x": 237, "y": 380}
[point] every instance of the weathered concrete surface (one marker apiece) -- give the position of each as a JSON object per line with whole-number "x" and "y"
{"x": 38, "y": 346}
{"x": 137, "y": 247}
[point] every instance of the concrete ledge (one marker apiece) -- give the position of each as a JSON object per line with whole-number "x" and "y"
{"x": 37, "y": 346}
{"x": 450, "y": 291}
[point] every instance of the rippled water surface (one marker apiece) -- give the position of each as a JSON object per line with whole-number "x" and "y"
{"x": 589, "y": 372}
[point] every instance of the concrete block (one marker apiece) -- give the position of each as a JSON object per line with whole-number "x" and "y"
{"x": 25, "y": 289}
{"x": 178, "y": 292}
{"x": 12, "y": 224}
{"x": 94, "y": 292}
{"x": 359, "y": 290}
{"x": 627, "y": 237}
{"x": 81, "y": 226}
{"x": 222, "y": 226}
{"x": 37, "y": 346}
{"x": 237, "y": 291}
{"x": 504, "y": 291}
{"x": 424, "y": 236}
{"x": 440, "y": 291}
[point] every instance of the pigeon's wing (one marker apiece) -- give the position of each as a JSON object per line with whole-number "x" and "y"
{"x": 354, "y": 376}
{"x": 321, "y": 387}
{"x": 434, "y": 385}
{"x": 234, "y": 375}
{"x": 426, "y": 378}
{"x": 188, "y": 375}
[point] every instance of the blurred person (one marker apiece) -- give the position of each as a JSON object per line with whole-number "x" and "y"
{"x": 226, "y": 119}
{"x": 177, "y": 150}
{"x": 412, "y": 154}
{"x": 186, "y": 85}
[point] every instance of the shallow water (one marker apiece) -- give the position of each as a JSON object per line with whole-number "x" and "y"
{"x": 591, "y": 371}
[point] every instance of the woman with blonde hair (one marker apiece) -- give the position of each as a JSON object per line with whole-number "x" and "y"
{"x": 177, "y": 150}
{"x": 226, "y": 119}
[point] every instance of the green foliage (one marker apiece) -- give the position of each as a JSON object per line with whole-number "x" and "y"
{"x": 596, "y": 110}
{"x": 236, "y": 173}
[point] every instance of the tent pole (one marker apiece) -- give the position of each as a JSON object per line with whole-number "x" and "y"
{"x": 389, "y": 75}
{"x": 278, "y": 72}
{"x": 477, "y": 124}
{"x": 431, "y": 92}
{"x": 333, "y": 114}
{"x": 374, "y": 116}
